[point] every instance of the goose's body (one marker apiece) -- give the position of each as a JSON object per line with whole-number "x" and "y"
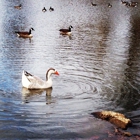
{"x": 44, "y": 9}
{"x": 93, "y": 4}
{"x": 51, "y": 9}
{"x": 18, "y": 7}
{"x": 66, "y": 31}
{"x": 30, "y": 81}
{"x": 25, "y": 34}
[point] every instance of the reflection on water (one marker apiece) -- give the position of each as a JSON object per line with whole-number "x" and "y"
{"x": 30, "y": 94}
{"x": 98, "y": 66}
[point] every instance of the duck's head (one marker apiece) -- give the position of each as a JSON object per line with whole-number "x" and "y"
{"x": 70, "y": 26}
{"x": 50, "y": 72}
{"x": 51, "y": 8}
{"x": 32, "y": 29}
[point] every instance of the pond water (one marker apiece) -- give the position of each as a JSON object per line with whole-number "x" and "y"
{"x": 99, "y": 67}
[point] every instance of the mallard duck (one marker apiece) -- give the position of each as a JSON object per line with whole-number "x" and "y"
{"x": 25, "y": 34}
{"x": 30, "y": 81}
{"x": 66, "y": 31}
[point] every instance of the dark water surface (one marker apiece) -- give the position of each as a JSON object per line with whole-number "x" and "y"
{"x": 99, "y": 68}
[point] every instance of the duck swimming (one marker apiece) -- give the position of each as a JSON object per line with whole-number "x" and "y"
{"x": 25, "y": 34}
{"x": 18, "y": 7}
{"x": 44, "y": 9}
{"x": 30, "y": 81}
{"x": 66, "y": 31}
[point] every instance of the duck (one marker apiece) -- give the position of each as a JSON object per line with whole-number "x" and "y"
{"x": 51, "y": 9}
{"x": 93, "y": 4}
{"x": 109, "y": 5}
{"x": 124, "y": 2}
{"x": 30, "y": 81}
{"x": 25, "y": 34}
{"x": 44, "y": 9}
{"x": 133, "y": 4}
{"x": 66, "y": 31}
{"x": 18, "y": 7}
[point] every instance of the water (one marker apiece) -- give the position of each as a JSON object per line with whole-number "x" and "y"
{"x": 99, "y": 68}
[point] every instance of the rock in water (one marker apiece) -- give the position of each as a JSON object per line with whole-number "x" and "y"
{"x": 115, "y": 118}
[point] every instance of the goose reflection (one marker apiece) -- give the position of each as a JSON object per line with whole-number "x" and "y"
{"x": 29, "y": 94}
{"x": 69, "y": 36}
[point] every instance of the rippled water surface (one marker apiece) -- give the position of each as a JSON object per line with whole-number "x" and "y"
{"x": 99, "y": 68}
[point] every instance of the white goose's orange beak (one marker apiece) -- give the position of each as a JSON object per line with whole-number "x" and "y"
{"x": 56, "y": 73}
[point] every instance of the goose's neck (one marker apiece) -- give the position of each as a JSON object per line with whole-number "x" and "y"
{"x": 69, "y": 29}
{"x": 30, "y": 31}
{"x": 48, "y": 76}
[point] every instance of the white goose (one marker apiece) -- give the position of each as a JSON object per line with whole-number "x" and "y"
{"x": 33, "y": 82}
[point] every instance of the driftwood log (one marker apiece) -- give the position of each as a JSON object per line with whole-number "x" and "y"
{"x": 115, "y": 118}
